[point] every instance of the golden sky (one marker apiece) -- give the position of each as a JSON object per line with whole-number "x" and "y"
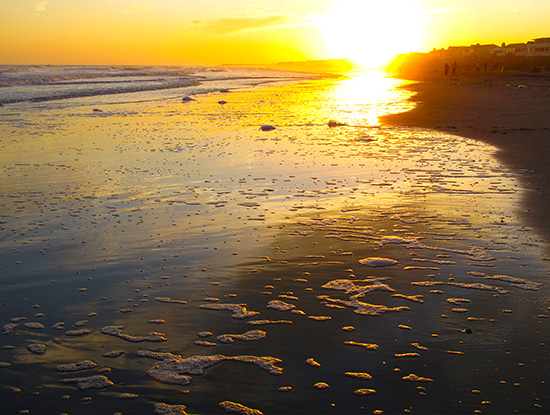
{"x": 189, "y": 32}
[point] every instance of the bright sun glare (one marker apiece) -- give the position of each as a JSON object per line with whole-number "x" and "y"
{"x": 372, "y": 32}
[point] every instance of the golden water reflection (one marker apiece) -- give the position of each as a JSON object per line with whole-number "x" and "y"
{"x": 370, "y": 95}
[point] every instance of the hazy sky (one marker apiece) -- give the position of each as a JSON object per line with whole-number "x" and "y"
{"x": 254, "y": 31}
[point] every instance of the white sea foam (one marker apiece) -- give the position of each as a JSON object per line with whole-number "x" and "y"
{"x": 48, "y": 83}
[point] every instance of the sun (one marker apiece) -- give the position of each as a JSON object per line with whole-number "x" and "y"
{"x": 372, "y": 32}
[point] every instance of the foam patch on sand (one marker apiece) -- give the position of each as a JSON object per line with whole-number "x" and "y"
{"x": 378, "y": 262}
{"x": 239, "y": 311}
{"x": 117, "y": 332}
{"x": 174, "y": 369}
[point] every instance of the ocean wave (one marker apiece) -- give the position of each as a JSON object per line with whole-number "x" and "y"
{"x": 48, "y": 83}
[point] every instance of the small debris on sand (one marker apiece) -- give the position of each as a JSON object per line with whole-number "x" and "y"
{"x": 280, "y": 305}
{"x": 404, "y": 327}
{"x": 4, "y": 364}
{"x": 157, "y": 321}
{"x": 264, "y": 322}
{"x": 169, "y": 300}
{"x": 370, "y": 346}
{"x": 320, "y": 318}
{"x": 165, "y": 409}
{"x": 458, "y": 301}
{"x": 34, "y": 325}
{"x": 10, "y": 327}
{"x": 311, "y": 361}
{"x": 377, "y": 262}
{"x": 117, "y": 332}
{"x": 334, "y": 123}
{"x": 128, "y": 396}
{"x": 384, "y": 240}
{"x": 357, "y": 375}
{"x": 419, "y": 346}
{"x": 415, "y": 298}
{"x": 90, "y": 382}
{"x": 204, "y": 343}
{"x": 285, "y": 388}
{"x": 36, "y": 348}
{"x": 58, "y": 326}
{"x": 364, "y": 392}
{"x": 238, "y": 310}
{"x": 267, "y": 128}
{"x": 114, "y": 353}
{"x": 414, "y": 378}
{"x": 157, "y": 355}
{"x": 321, "y": 385}
{"x": 237, "y": 408}
{"x": 409, "y": 268}
{"x": 73, "y": 367}
{"x": 203, "y": 334}
{"x": 251, "y": 335}
{"x": 78, "y": 332}
{"x": 407, "y": 355}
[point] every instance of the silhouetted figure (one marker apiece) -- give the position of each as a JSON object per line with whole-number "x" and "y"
{"x": 477, "y": 66}
{"x": 446, "y": 69}
{"x": 454, "y": 67}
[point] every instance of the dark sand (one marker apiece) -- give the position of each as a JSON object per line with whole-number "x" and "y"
{"x": 511, "y": 112}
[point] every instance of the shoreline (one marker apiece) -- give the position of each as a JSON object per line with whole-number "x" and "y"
{"x": 509, "y": 112}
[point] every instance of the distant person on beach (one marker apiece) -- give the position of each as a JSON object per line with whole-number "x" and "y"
{"x": 454, "y": 67}
{"x": 477, "y": 66}
{"x": 446, "y": 69}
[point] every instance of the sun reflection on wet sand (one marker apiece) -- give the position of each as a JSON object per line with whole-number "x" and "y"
{"x": 141, "y": 215}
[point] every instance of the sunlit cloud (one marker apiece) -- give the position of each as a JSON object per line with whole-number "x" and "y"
{"x": 138, "y": 8}
{"x": 441, "y": 10}
{"x": 40, "y": 6}
{"x": 257, "y": 19}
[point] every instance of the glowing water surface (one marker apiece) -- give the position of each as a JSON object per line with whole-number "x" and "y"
{"x": 103, "y": 212}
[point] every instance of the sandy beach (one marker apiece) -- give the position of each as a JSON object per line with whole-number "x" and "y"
{"x": 268, "y": 245}
{"x": 509, "y": 111}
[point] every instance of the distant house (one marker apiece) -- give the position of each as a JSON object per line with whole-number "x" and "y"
{"x": 539, "y": 47}
{"x": 513, "y": 49}
{"x": 482, "y": 51}
{"x": 459, "y": 52}
{"x": 536, "y": 47}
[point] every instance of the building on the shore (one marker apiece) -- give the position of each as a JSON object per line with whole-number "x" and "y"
{"x": 512, "y": 49}
{"x": 533, "y": 48}
{"x": 533, "y": 56}
{"x": 539, "y": 47}
{"x": 460, "y": 52}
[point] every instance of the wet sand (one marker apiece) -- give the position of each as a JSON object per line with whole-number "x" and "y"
{"x": 506, "y": 111}
{"x": 163, "y": 254}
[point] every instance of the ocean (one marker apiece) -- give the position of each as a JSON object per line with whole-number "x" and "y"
{"x": 205, "y": 237}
